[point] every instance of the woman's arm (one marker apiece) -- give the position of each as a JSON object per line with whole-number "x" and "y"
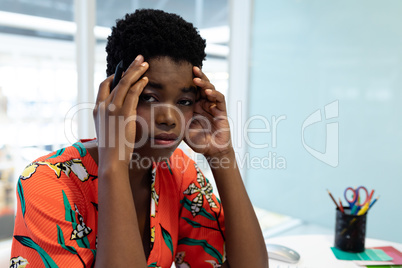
{"x": 245, "y": 246}
{"x": 119, "y": 238}
{"x": 209, "y": 134}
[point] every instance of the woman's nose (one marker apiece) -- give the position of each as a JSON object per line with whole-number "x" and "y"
{"x": 165, "y": 115}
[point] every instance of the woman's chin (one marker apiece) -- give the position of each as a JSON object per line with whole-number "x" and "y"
{"x": 154, "y": 154}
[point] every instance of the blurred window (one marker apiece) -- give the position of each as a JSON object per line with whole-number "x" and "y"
{"x": 38, "y": 75}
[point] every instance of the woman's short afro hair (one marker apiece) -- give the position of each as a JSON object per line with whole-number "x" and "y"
{"x": 153, "y": 33}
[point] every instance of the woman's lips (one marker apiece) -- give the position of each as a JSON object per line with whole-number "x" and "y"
{"x": 165, "y": 139}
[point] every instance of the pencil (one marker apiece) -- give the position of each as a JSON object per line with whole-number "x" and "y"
{"x": 351, "y": 223}
{"x": 371, "y": 195}
{"x": 363, "y": 209}
{"x": 372, "y": 203}
{"x": 333, "y": 199}
{"x": 341, "y": 206}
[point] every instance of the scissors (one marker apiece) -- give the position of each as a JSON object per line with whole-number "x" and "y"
{"x": 355, "y": 203}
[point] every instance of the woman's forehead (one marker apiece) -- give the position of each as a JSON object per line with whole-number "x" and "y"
{"x": 166, "y": 63}
{"x": 164, "y": 71}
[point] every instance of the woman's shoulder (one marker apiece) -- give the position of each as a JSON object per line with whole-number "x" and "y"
{"x": 71, "y": 159}
{"x": 76, "y": 150}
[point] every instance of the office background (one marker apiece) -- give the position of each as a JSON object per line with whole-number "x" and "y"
{"x": 344, "y": 59}
{"x": 316, "y": 83}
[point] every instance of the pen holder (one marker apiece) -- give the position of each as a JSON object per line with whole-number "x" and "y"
{"x": 350, "y": 231}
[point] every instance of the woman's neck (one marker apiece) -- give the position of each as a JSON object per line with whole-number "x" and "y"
{"x": 141, "y": 176}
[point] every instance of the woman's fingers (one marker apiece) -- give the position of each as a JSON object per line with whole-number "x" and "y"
{"x": 216, "y": 98}
{"x": 202, "y": 81}
{"x": 203, "y": 109}
{"x": 103, "y": 97}
{"x": 203, "y": 84}
{"x": 104, "y": 90}
{"x": 134, "y": 72}
{"x": 197, "y": 71}
{"x": 133, "y": 94}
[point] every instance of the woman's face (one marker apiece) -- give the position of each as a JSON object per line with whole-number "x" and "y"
{"x": 165, "y": 108}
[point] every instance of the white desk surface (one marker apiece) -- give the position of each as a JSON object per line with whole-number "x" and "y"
{"x": 315, "y": 251}
{"x": 5, "y": 252}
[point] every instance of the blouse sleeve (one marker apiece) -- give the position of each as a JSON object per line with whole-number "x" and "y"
{"x": 202, "y": 230}
{"x": 49, "y": 228}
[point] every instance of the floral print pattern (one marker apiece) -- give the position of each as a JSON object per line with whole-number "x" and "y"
{"x": 56, "y": 221}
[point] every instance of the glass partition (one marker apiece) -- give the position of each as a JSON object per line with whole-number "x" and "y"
{"x": 324, "y": 108}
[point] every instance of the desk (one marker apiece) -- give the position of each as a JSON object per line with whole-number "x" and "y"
{"x": 5, "y": 252}
{"x": 315, "y": 251}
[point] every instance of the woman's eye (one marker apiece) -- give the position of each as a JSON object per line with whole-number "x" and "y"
{"x": 186, "y": 102}
{"x": 148, "y": 98}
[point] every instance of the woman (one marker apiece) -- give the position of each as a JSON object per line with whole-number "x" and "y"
{"x": 129, "y": 198}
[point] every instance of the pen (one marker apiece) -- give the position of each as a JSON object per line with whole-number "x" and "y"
{"x": 341, "y": 206}
{"x": 333, "y": 199}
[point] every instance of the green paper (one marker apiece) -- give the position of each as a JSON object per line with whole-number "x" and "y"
{"x": 367, "y": 255}
{"x": 385, "y": 266}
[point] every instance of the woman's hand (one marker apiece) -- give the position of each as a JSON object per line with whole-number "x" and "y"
{"x": 119, "y": 237}
{"x": 209, "y": 132}
{"x": 115, "y": 114}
